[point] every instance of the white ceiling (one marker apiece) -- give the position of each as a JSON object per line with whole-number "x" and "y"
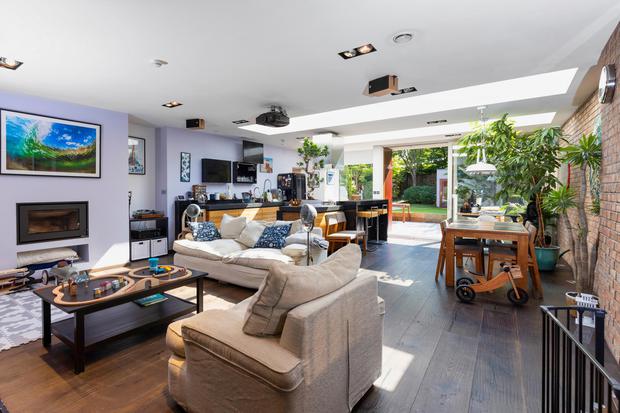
{"x": 231, "y": 60}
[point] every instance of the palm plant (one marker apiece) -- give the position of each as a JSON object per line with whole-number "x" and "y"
{"x": 586, "y": 155}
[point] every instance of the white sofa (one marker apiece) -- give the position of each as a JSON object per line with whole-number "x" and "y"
{"x": 231, "y": 261}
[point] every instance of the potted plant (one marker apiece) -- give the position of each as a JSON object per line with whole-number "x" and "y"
{"x": 526, "y": 163}
{"x": 312, "y": 161}
{"x": 585, "y": 155}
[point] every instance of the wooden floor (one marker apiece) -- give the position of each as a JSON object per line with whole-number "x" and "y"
{"x": 439, "y": 355}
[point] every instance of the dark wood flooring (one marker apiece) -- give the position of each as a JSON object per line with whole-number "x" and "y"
{"x": 439, "y": 355}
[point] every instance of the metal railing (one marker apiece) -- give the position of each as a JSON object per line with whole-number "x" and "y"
{"x": 572, "y": 379}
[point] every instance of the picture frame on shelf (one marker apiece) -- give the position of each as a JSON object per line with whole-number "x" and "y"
{"x": 39, "y": 145}
{"x": 137, "y": 155}
{"x": 185, "y": 167}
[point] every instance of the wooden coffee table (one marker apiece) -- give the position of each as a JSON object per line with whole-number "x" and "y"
{"x": 99, "y": 321}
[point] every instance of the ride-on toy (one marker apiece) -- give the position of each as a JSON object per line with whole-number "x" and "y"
{"x": 466, "y": 288}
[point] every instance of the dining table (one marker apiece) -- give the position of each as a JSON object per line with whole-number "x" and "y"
{"x": 491, "y": 230}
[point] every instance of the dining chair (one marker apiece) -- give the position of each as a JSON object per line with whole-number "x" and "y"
{"x": 508, "y": 253}
{"x": 336, "y": 233}
{"x": 462, "y": 248}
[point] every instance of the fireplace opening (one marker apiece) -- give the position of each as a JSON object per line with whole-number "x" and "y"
{"x": 39, "y": 222}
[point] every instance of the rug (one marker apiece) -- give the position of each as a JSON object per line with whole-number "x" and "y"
{"x": 20, "y": 314}
{"x": 20, "y": 319}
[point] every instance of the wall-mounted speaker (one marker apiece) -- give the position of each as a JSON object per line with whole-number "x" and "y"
{"x": 197, "y": 123}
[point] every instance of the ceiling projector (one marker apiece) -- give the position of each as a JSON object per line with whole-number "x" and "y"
{"x": 275, "y": 118}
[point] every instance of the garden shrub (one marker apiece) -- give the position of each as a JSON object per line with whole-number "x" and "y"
{"x": 424, "y": 194}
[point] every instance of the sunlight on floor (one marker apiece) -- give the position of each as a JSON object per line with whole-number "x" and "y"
{"x": 395, "y": 365}
{"x": 386, "y": 278}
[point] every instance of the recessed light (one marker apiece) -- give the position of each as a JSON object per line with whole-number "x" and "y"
{"x": 402, "y": 37}
{"x": 434, "y": 122}
{"x": 453, "y": 135}
{"x": 9, "y": 63}
{"x": 521, "y": 88}
{"x": 172, "y": 104}
{"x": 240, "y": 121}
{"x": 358, "y": 51}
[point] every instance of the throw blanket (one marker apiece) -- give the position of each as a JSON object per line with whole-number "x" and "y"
{"x": 320, "y": 243}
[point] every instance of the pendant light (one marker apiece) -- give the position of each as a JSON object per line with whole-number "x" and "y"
{"x": 482, "y": 167}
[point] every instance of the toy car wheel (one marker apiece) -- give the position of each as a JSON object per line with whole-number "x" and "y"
{"x": 45, "y": 277}
{"x": 464, "y": 281}
{"x": 523, "y": 296}
{"x": 465, "y": 293}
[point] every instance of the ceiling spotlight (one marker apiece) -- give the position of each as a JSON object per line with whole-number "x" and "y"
{"x": 358, "y": 51}
{"x": 365, "y": 49}
{"x": 10, "y": 64}
{"x": 402, "y": 37}
{"x": 240, "y": 121}
{"x": 172, "y": 104}
{"x": 404, "y": 90}
{"x": 158, "y": 62}
{"x": 435, "y": 122}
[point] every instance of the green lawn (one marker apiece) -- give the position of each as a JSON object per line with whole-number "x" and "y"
{"x": 424, "y": 209}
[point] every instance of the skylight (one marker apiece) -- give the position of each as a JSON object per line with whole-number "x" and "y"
{"x": 465, "y": 127}
{"x": 528, "y": 87}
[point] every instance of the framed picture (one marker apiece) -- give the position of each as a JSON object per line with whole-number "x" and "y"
{"x": 330, "y": 177}
{"x": 186, "y": 166}
{"x": 267, "y": 165}
{"x": 44, "y": 146}
{"x": 137, "y": 156}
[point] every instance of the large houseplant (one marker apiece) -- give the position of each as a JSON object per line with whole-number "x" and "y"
{"x": 312, "y": 161}
{"x": 585, "y": 155}
{"x": 526, "y": 162}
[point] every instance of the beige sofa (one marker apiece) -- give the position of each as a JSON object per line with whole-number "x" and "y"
{"x": 327, "y": 357}
{"x": 233, "y": 262}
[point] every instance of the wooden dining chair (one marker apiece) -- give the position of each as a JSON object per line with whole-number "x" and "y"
{"x": 336, "y": 233}
{"x": 462, "y": 248}
{"x": 508, "y": 254}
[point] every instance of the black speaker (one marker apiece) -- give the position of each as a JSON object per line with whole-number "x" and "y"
{"x": 195, "y": 123}
{"x": 383, "y": 85}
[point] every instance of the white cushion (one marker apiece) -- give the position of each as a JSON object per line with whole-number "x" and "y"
{"x": 231, "y": 227}
{"x": 260, "y": 258}
{"x": 251, "y": 233}
{"x": 300, "y": 238}
{"x": 294, "y": 251}
{"x": 296, "y": 225}
{"x": 211, "y": 250}
{"x": 48, "y": 255}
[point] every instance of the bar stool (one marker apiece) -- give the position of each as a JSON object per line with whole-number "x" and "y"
{"x": 367, "y": 216}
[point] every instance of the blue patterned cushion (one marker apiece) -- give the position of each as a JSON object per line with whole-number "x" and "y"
{"x": 273, "y": 237}
{"x": 204, "y": 231}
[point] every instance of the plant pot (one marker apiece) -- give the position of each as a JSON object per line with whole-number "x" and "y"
{"x": 547, "y": 257}
{"x": 356, "y": 197}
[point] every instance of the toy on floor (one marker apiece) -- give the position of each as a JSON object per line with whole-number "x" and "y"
{"x": 466, "y": 288}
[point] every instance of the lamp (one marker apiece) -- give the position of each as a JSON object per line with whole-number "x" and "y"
{"x": 307, "y": 215}
{"x": 482, "y": 167}
{"x": 192, "y": 212}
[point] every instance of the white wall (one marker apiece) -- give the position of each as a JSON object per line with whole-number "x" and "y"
{"x": 142, "y": 187}
{"x": 107, "y": 197}
{"x": 357, "y": 157}
{"x": 173, "y": 141}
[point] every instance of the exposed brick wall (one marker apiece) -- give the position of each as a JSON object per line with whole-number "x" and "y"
{"x": 607, "y": 274}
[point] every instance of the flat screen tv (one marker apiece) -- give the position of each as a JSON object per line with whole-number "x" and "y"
{"x": 253, "y": 152}
{"x": 215, "y": 171}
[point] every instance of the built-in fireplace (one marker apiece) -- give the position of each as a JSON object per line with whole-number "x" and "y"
{"x": 51, "y": 221}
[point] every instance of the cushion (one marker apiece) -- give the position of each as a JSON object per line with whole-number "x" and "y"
{"x": 174, "y": 338}
{"x": 294, "y": 251}
{"x": 288, "y": 286}
{"x": 301, "y": 238}
{"x": 47, "y": 255}
{"x": 251, "y": 233}
{"x": 259, "y": 258}
{"x": 211, "y": 250}
{"x": 204, "y": 231}
{"x": 231, "y": 227}
{"x": 273, "y": 237}
{"x": 296, "y": 225}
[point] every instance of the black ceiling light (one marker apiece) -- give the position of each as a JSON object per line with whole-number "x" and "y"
{"x": 358, "y": 51}
{"x": 172, "y": 104}
{"x": 404, "y": 90}
{"x": 240, "y": 121}
{"x": 435, "y": 122}
{"x": 10, "y": 64}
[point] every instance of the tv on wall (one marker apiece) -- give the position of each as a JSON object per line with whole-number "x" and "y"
{"x": 215, "y": 171}
{"x": 253, "y": 152}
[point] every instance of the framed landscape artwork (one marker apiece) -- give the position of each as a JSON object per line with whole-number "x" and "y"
{"x": 186, "y": 166}
{"x": 137, "y": 157}
{"x": 44, "y": 146}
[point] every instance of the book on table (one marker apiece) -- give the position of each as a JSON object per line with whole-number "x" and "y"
{"x": 150, "y": 300}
